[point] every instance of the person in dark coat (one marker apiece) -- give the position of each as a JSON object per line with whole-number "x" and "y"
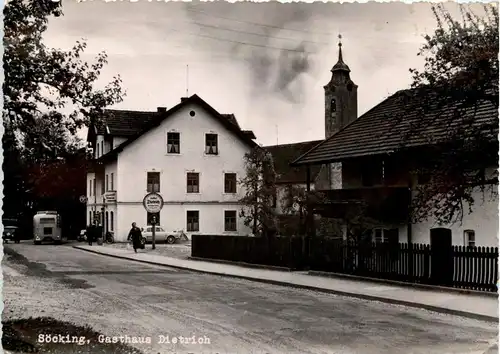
{"x": 91, "y": 233}
{"x": 136, "y": 235}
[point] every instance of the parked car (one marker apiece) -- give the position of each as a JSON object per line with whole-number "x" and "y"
{"x": 161, "y": 235}
{"x": 10, "y": 233}
{"x": 82, "y": 236}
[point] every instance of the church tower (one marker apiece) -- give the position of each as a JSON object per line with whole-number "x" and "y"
{"x": 341, "y": 108}
{"x": 341, "y": 97}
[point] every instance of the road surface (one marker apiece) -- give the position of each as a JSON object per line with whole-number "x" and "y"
{"x": 124, "y": 298}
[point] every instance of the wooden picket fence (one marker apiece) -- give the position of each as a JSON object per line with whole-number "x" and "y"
{"x": 474, "y": 268}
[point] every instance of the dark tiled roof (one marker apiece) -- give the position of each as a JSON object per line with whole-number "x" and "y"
{"x": 228, "y": 120}
{"x": 125, "y": 123}
{"x": 385, "y": 128}
{"x": 231, "y": 118}
{"x": 283, "y": 155}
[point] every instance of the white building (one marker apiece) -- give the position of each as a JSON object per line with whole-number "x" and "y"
{"x": 190, "y": 154}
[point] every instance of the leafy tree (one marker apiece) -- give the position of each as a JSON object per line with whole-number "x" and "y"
{"x": 295, "y": 202}
{"x": 39, "y": 80}
{"x": 40, "y": 84}
{"x": 459, "y": 79}
{"x": 259, "y": 185}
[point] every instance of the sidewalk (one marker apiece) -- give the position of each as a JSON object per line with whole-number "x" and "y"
{"x": 472, "y": 306}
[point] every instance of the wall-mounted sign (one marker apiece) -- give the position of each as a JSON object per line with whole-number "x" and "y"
{"x": 110, "y": 197}
{"x": 83, "y": 199}
{"x": 153, "y": 203}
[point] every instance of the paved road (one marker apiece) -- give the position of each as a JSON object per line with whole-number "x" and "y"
{"x": 120, "y": 297}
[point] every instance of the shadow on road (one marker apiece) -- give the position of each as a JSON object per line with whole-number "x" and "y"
{"x": 36, "y": 269}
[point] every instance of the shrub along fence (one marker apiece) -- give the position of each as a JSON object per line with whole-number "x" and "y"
{"x": 474, "y": 268}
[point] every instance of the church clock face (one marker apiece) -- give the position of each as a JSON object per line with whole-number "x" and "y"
{"x": 333, "y": 106}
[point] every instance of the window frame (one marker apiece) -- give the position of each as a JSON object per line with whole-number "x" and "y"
{"x": 467, "y": 238}
{"x": 178, "y": 143}
{"x": 226, "y": 180}
{"x": 112, "y": 178}
{"x": 152, "y": 189}
{"x": 188, "y": 180}
{"x": 112, "y": 220}
{"x": 188, "y": 223}
{"x": 107, "y": 183}
{"x": 226, "y": 217}
{"x": 208, "y": 146}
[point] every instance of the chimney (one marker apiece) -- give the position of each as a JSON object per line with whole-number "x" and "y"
{"x": 162, "y": 109}
{"x": 183, "y": 99}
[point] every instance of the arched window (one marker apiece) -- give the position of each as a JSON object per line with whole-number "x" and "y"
{"x": 111, "y": 221}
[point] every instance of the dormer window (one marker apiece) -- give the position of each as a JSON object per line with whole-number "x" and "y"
{"x": 333, "y": 105}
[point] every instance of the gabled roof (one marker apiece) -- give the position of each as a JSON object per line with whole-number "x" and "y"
{"x": 283, "y": 155}
{"x": 387, "y": 127}
{"x": 227, "y": 120}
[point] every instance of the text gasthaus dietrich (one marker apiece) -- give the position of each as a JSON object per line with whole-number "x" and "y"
{"x": 125, "y": 339}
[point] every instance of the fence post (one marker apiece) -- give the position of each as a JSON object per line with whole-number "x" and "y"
{"x": 441, "y": 257}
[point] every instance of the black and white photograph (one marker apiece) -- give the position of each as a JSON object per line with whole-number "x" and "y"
{"x": 250, "y": 177}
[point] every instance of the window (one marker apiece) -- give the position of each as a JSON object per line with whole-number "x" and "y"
{"x": 153, "y": 182}
{"x": 390, "y": 236}
{"x": 112, "y": 181}
{"x": 378, "y": 236}
{"x": 107, "y": 183}
{"x": 193, "y": 220}
{"x": 90, "y": 188}
{"x": 90, "y": 218}
{"x": 173, "y": 143}
{"x": 193, "y": 182}
{"x": 150, "y": 218}
{"x": 112, "y": 221}
{"x": 107, "y": 221}
{"x": 469, "y": 238}
{"x": 230, "y": 220}
{"x": 333, "y": 106}
{"x": 97, "y": 151}
{"x": 94, "y": 187}
{"x": 229, "y": 182}
{"x": 211, "y": 144}
{"x": 102, "y": 147}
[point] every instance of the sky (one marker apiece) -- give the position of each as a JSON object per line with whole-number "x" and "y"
{"x": 265, "y": 62}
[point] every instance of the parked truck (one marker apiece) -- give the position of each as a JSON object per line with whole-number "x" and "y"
{"x": 47, "y": 227}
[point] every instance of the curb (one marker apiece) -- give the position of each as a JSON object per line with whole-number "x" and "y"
{"x": 241, "y": 264}
{"x": 437, "y": 309}
{"x": 404, "y": 284}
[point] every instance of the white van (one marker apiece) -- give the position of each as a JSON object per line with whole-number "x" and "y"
{"x": 47, "y": 227}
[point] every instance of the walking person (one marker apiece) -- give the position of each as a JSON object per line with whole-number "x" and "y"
{"x": 136, "y": 235}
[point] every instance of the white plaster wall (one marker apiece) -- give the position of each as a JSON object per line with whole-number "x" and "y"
{"x": 483, "y": 220}
{"x": 174, "y": 217}
{"x": 149, "y": 154}
{"x": 118, "y": 141}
